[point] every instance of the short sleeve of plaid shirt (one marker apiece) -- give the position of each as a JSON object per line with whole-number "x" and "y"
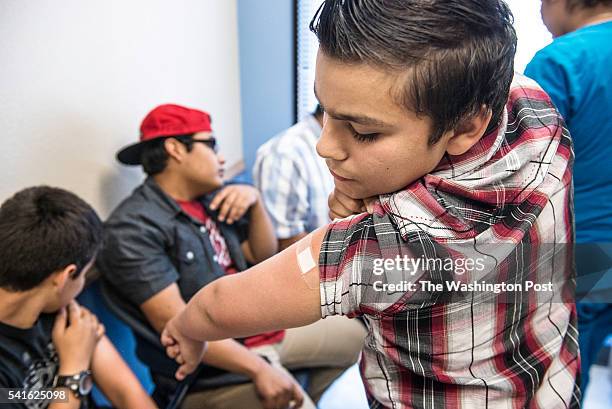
{"x": 352, "y": 279}
{"x": 340, "y": 292}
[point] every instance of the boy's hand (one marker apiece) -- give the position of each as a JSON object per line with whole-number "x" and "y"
{"x": 276, "y": 389}
{"x": 341, "y": 205}
{"x": 185, "y": 351}
{"x": 75, "y": 333}
{"x": 233, "y": 201}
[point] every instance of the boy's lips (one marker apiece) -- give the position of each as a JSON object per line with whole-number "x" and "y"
{"x": 340, "y": 178}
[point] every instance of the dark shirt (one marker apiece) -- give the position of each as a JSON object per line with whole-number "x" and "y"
{"x": 28, "y": 359}
{"x": 151, "y": 243}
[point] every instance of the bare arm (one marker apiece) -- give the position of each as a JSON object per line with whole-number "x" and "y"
{"x": 75, "y": 335}
{"x": 73, "y": 403}
{"x": 226, "y": 354}
{"x": 115, "y": 379}
{"x": 279, "y": 296}
{"x": 274, "y": 388}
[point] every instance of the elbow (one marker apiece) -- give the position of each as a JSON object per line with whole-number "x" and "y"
{"x": 224, "y": 311}
{"x": 210, "y": 313}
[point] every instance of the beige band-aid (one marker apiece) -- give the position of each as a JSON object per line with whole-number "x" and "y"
{"x": 304, "y": 255}
{"x": 306, "y": 261}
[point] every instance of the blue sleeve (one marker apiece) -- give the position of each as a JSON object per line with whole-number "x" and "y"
{"x": 548, "y": 71}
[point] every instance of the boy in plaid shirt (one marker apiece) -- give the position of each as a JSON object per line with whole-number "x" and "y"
{"x": 454, "y": 218}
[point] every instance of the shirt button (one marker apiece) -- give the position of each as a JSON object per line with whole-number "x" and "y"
{"x": 216, "y": 258}
{"x": 190, "y": 255}
{"x": 202, "y": 229}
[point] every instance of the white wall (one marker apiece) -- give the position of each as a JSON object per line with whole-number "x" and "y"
{"x": 77, "y": 77}
{"x": 530, "y": 30}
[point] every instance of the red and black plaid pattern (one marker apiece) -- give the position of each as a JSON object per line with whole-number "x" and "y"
{"x": 509, "y": 197}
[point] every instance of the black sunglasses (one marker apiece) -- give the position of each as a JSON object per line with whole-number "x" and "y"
{"x": 211, "y": 142}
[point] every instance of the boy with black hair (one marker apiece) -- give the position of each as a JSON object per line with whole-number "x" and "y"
{"x": 48, "y": 241}
{"x": 458, "y": 159}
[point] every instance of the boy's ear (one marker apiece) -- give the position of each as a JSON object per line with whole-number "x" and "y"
{"x": 61, "y": 277}
{"x": 174, "y": 148}
{"x": 468, "y": 132}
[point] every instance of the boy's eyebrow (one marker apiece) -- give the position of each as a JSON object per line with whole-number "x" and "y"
{"x": 359, "y": 119}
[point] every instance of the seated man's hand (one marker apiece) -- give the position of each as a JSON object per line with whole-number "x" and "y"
{"x": 75, "y": 334}
{"x": 276, "y": 389}
{"x": 233, "y": 201}
{"x": 341, "y": 205}
{"x": 185, "y": 351}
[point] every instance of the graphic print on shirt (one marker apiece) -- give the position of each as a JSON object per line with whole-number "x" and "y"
{"x": 40, "y": 374}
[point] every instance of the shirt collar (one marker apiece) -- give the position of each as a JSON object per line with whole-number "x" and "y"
{"x": 466, "y": 193}
{"x": 155, "y": 193}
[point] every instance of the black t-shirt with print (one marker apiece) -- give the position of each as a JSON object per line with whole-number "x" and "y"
{"x": 28, "y": 359}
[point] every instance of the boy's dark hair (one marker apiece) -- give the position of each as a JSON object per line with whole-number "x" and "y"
{"x": 43, "y": 230}
{"x": 154, "y": 157}
{"x": 458, "y": 54}
{"x": 588, "y": 3}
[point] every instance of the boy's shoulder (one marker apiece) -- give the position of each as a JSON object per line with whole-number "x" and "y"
{"x": 523, "y": 87}
{"x": 145, "y": 203}
{"x": 27, "y": 356}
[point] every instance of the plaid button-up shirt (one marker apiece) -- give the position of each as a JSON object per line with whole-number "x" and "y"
{"x": 507, "y": 206}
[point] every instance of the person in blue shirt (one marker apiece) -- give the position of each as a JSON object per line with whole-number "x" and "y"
{"x": 575, "y": 71}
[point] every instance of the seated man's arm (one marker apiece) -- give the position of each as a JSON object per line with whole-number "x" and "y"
{"x": 116, "y": 380}
{"x": 284, "y": 243}
{"x": 227, "y": 354}
{"x": 262, "y": 240}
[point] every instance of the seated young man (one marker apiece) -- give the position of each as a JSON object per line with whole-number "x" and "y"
{"x": 48, "y": 240}
{"x": 178, "y": 232}
{"x": 459, "y": 160}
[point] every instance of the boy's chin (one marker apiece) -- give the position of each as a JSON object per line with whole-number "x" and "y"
{"x": 55, "y": 306}
{"x": 356, "y": 194}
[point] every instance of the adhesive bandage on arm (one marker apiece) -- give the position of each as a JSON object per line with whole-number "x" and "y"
{"x": 309, "y": 270}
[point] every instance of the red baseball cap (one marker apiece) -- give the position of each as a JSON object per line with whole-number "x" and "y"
{"x": 163, "y": 121}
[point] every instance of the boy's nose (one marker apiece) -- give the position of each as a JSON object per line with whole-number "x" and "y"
{"x": 330, "y": 144}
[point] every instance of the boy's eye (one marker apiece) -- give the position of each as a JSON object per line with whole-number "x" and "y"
{"x": 365, "y": 137}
